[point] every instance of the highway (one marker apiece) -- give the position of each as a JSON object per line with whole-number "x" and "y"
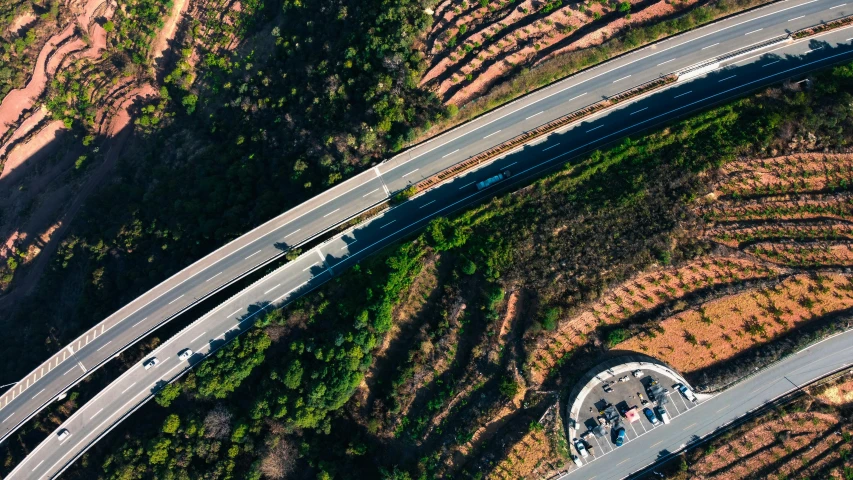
{"x": 246, "y": 254}
{"x": 692, "y": 422}
{"x": 311, "y": 269}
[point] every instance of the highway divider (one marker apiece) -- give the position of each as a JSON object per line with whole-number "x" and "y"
{"x": 823, "y": 27}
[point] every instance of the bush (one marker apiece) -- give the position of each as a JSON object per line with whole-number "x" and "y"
{"x": 617, "y": 336}
{"x": 550, "y": 319}
{"x": 509, "y": 388}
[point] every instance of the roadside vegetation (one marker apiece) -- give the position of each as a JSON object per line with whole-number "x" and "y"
{"x": 443, "y": 355}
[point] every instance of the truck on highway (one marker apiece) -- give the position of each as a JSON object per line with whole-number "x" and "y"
{"x": 493, "y": 180}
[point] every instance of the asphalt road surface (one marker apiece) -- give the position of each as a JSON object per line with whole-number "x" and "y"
{"x": 269, "y": 241}
{"x": 316, "y": 266}
{"x": 690, "y": 422}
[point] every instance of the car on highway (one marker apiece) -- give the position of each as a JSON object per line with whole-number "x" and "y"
{"x": 651, "y": 416}
{"x": 150, "y": 362}
{"x": 185, "y": 354}
{"x": 62, "y": 434}
{"x": 662, "y": 414}
{"x": 688, "y": 394}
{"x": 493, "y": 180}
{"x": 581, "y": 448}
{"x": 620, "y": 436}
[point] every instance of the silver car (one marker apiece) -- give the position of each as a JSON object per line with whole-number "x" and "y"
{"x": 185, "y": 354}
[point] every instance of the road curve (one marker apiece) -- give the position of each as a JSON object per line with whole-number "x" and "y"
{"x": 137, "y": 385}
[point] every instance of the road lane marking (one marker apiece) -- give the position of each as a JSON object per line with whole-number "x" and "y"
{"x": 489, "y": 135}
{"x": 837, "y": 6}
{"x": 640, "y": 110}
{"x": 771, "y": 63}
{"x": 576, "y": 97}
{"x": 549, "y": 148}
{"x": 304, "y": 270}
{"x": 348, "y": 245}
{"x": 813, "y": 49}
{"x": 709, "y": 46}
{"x": 37, "y": 466}
{"x": 451, "y": 153}
{"x": 428, "y": 203}
{"x": 623, "y": 461}
{"x": 333, "y": 211}
{"x": 137, "y": 323}
{"x": 413, "y": 171}
{"x": 683, "y": 94}
{"x": 467, "y": 184}
{"x": 754, "y": 31}
{"x": 389, "y": 223}
{"x": 104, "y": 345}
{"x": 170, "y": 371}
{"x": 96, "y": 414}
{"x": 259, "y": 251}
{"x": 720, "y": 410}
{"x": 196, "y": 338}
{"x": 128, "y": 388}
{"x": 7, "y": 418}
{"x": 36, "y": 395}
{"x": 69, "y": 370}
{"x": 528, "y": 118}
{"x": 366, "y": 194}
{"x": 298, "y": 229}
{"x": 511, "y": 164}
{"x": 663, "y": 63}
{"x": 211, "y": 278}
{"x": 175, "y": 300}
{"x": 273, "y": 288}
{"x": 655, "y": 445}
{"x": 596, "y": 128}
{"x": 796, "y": 18}
{"x": 235, "y": 312}
{"x": 691, "y": 425}
{"x": 727, "y": 78}
{"x": 623, "y": 78}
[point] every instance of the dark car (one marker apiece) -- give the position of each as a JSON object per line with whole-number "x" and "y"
{"x": 651, "y": 416}
{"x": 620, "y": 436}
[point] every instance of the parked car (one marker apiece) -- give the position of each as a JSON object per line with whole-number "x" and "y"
{"x": 577, "y": 461}
{"x": 607, "y": 388}
{"x": 581, "y": 448}
{"x": 651, "y": 416}
{"x": 150, "y": 362}
{"x": 688, "y": 394}
{"x": 620, "y": 436}
{"x": 662, "y": 414}
{"x": 637, "y": 373}
{"x": 185, "y": 354}
{"x": 62, "y": 434}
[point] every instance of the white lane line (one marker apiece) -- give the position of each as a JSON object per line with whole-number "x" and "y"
{"x": 104, "y": 345}
{"x": 333, "y": 211}
{"x": 137, "y": 323}
{"x": 623, "y": 461}
{"x": 69, "y": 370}
{"x": 196, "y": 338}
{"x": 307, "y": 268}
{"x": 235, "y": 312}
{"x": 36, "y": 395}
{"x": 709, "y": 46}
{"x": 128, "y": 388}
{"x": 96, "y": 414}
{"x": 428, "y": 203}
{"x": 655, "y": 445}
{"x": 640, "y": 110}
{"x": 37, "y": 466}
{"x": 771, "y": 63}
{"x": 796, "y": 18}
{"x": 170, "y": 371}
{"x": 389, "y": 223}
{"x": 664, "y": 63}
{"x": 366, "y": 194}
{"x": 511, "y": 164}
{"x": 7, "y": 418}
{"x": 413, "y": 171}
{"x": 273, "y": 288}
{"x": 211, "y": 278}
{"x": 691, "y": 425}
{"x": 173, "y": 301}
{"x": 298, "y": 229}
{"x": 596, "y": 128}
{"x": 451, "y": 153}
{"x": 754, "y": 31}
{"x": 683, "y": 94}
{"x": 467, "y": 184}
{"x": 259, "y": 251}
{"x": 349, "y": 244}
{"x": 720, "y": 410}
{"x": 837, "y": 6}
{"x": 493, "y": 133}
{"x": 623, "y": 78}
{"x": 727, "y": 78}
{"x": 813, "y": 49}
{"x": 578, "y": 96}
{"x": 549, "y": 148}
{"x": 540, "y": 113}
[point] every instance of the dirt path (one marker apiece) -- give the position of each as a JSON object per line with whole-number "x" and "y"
{"x": 167, "y": 33}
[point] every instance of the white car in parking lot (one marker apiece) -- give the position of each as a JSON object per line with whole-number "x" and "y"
{"x": 581, "y": 448}
{"x": 688, "y": 394}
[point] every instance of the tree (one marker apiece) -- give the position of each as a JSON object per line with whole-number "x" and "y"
{"x": 549, "y": 321}
{"x": 189, "y": 103}
{"x": 167, "y": 395}
{"x": 109, "y": 26}
{"x": 279, "y": 460}
{"x": 217, "y": 423}
{"x": 172, "y": 423}
{"x": 509, "y": 388}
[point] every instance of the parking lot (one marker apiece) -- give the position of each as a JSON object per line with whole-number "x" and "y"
{"x": 624, "y": 395}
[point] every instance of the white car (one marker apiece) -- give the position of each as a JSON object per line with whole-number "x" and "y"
{"x": 185, "y": 354}
{"x": 577, "y": 460}
{"x": 581, "y": 448}
{"x": 662, "y": 414}
{"x": 62, "y": 434}
{"x": 150, "y": 362}
{"x": 688, "y": 394}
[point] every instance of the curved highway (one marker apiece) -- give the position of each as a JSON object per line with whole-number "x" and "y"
{"x": 137, "y": 385}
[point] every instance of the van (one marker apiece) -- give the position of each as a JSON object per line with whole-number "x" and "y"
{"x": 662, "y": 414}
